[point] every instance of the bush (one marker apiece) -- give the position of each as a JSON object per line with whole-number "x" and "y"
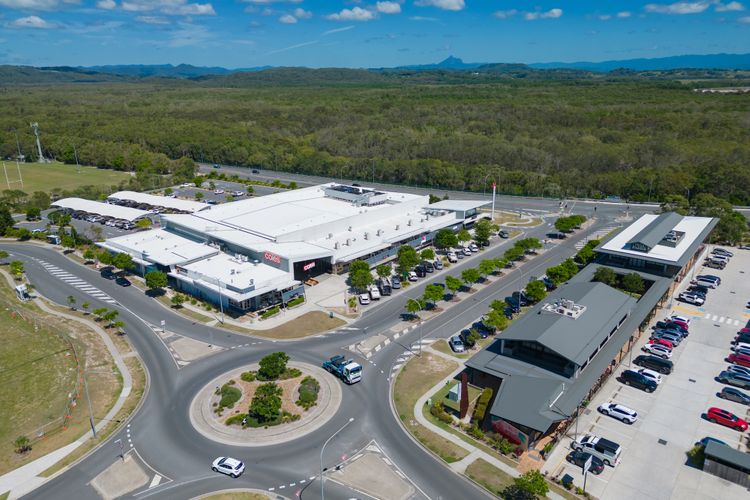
{"x": 236, "y": 419}
{"x": 290, "y": 373}
{"x": 503, "y": 445}
{"x": 481, "y": 408}
{"x": 248, "y": 376}
{"x": 295, "y": 302}
{"x": 438, "y": 412}
{"x": 22, "y": 444}
{"x": 532, "y": 482}
{"x": 476, "y": 432}
{"x": 266, "y": 404}
{"x": 697, "y": 456}
{"x": 272, "y": 366}
{"x": 229, "y": 396}
{"x": 308, "y": 393}
{"x": 270, "y": 312}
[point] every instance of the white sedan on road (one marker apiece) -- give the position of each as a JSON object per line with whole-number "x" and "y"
{"x": 229, "y": 466}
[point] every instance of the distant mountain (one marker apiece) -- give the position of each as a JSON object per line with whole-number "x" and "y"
{"x": 26, "y": 75}
{"x": 167, "y": 70}
{"x": 449, "y": 63}
{"x": 707, "y": 61}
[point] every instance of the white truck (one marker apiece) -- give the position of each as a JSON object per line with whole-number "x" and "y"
{"x": 347, "y": 370}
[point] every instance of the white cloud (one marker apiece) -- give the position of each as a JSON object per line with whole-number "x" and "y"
{"x": 442, "y": 4}
{"x": 624, "y": 14}
{"x": 152, "y": 19}
{"x": 353, "y": 14}
{"x": 338, "y": 30}
{"x": 288, "y": 19}
{"x": 169, "y": 7}
{"x": 729, "y": 7}
{"x": 388, "y": 7}
{"x": 744, "y": 20}
{"x": 266, "y": 2}
{"x": 550, "y": 14}
{"x": 423, "y": 18}
{"x": 678, "y": 7}
{"x": 35, "y": 22}
{"x": 106, "y": 4}
{"x": 302, "y": 13}
{"x": 36, "y": 4}
{"x": 189, "y": 35}
{"x": 505, "y": 14}
{"x": 604, "y": 17}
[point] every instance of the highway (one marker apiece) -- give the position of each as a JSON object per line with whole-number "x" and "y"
{"x": 161, "y": 431}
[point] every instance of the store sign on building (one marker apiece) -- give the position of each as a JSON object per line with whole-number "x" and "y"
{"x": 272, "y": 257}
{"x": 308, "y": 266}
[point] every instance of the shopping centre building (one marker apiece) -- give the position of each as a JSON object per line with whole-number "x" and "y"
{"x": 258, "y": 252}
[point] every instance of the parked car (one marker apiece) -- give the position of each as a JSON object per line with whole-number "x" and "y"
{"x": 650, "y": 374}
{"x": 742, "y": 350}
{"x": 662, "y": 342}
{"x": 255, "y": 171}
{"x": 579, "y": 459}
{"x": 384, "y": 287}
{"x": 108, "y": 273}
{"x": 714, "y": 264}
{"x": 428, "y": 266}
{"x": 727, "y": 418}
{"x": 736, "y": 395}
{"x": 620, "y": 412}
{"x": 452, "y": 257}
{"x": 374, "y": 292}
{"x": 218, "y": 191}
{"x": 413, "y": 276}
{"x": 741, "y": 338}
{"x": 679, "y": 319}
{"x": 364, "y": 298}
{"x": 229, "y": 466}
{"x": 438, "y": 264}
{"x": 739, "y": 346}
{"x": 663, "y": 366}
{"x": 122, "y": 281}
{"x": 238, "y": 193}
{"x": 548, "y": 283}
{"x": 420, "y": 271}
{"x": 605, "y": 450}
{"x": 635, "y": 379}
{"x": 395, "y": 282}
{"x": 673, "y": 326}
{"x": 473, "y": 247}
{"x": 503, "y": 234}
{"x": 674, "y": 338}
{"x": 722, "y": 251}
{"x": 735, "y": 379}
{"x": 710, "y": 277}
{"x": 739, "y": 359}
{"x": 456, "y": 344}
{"x": 691, "y": 298}
{"x": 743, "y": 370}
{"x": 484, "y": 329}
{"x": 658, "y": 350}
{"x": 466, "y": 251}
{"x": 464, "y": 336}
{"x": 705, "y": 282}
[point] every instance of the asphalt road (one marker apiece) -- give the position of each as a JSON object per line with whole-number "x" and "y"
{"x": 161, "y": 431}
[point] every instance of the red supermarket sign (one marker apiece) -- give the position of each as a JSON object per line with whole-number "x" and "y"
{"x": 309, "y": 266}
{"x": 272, "y": 257}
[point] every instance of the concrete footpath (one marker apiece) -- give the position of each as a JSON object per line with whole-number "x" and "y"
{"x": 474, "y": 452}
{"x": 26, "y": 478}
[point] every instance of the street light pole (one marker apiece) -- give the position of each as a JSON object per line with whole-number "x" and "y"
{"x": 322, "y": 478}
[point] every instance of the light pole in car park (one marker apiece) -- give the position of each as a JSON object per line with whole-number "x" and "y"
{"x": 322, "y": 477}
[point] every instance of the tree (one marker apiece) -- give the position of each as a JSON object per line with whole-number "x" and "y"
{"x": 199, "y": 196}
{"x": 123, "y": 261}
{"x": 16, "y": 269}
{"x": 211, "y": 185}
{"x": 360, "y": 277}
{"x": 514, "y": 253}
{"x": 633, "y": 283}
{"x": 110, "y": 316}
{"x": 168, "y": 191}
{"x": 433, "y": 199}
{"x": 384, "y": 270}
{"x": 532, "y": 482}
{"x": 272, "y": 366}
{"x": 22, "y": 444}
{"x": 536, "y": 290}
{"x": 427, "y": 254}
{"x": 177, "y": 300}
{"x": 585, "y": 255}
{"x": 266, "y": 403}
{"x": 156, "y": 280}
{"x": 487, "y": 266}
{"x": 564, "y": 224}
{"x": 85, "y": 306}
{"x": 100, "y": 312}
{"x": 144, "y": 223}
{"x": 529, "y": 244}
{"x": 4, "y": 254}
{"x": 675, "y": 203}
{"x": 71, "y": 301}
{"x": 358, "y": 265}
{"x": 433, "y": 293}
{"x": 558, "y": 274}
{"x": 413, "y": 306}
{"x": 407, "y": 258}
{"x": 570, "y": 267}
{"x": 198, "y": 180}
{"x": 33, "y": 213}
{"x": 496, "y": 318}
{"x": 514, "y": 492}
{"x": 118, "y": 325}
{"x": 464, "y": 236}
{"x": 445, "y": 238}
{"x": 89, "y": 255}
{"x": 500, "y": 264}
{"x": 482, "y": 231}
{"x": 6, "y": 219}
{"x": 105, "y": 257}
{"x": 470, "y": 276}
{"x": 453, "y": 284}
{"x": 605, "y": 275}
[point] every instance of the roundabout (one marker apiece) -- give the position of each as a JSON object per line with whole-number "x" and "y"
{"x": 213, "y": 425}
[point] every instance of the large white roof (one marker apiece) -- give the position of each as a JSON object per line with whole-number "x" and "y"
{"x": 458, "y": 205}
{"x": 693, "y": 227}
{"x": 99, "y": 208}
{"x": 159, "y": 201}
{"x": 161, "y": 247}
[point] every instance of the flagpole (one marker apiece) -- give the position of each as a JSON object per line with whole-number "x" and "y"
{"x": 494, "y": 189}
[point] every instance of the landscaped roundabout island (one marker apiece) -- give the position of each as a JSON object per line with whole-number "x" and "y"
{"x": 266, "y": 403}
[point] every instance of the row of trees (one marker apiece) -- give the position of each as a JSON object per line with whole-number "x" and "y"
{"x": 567, "y": 223}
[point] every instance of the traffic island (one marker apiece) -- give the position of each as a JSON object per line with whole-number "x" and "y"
{"x": 243, "y": 408}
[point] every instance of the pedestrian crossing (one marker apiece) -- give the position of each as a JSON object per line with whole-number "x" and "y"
{"x": 721, "y": 319}
{"x": 76, "y": 282}
{"x": 595, "y": 236}
{"x": 406, "y": 355}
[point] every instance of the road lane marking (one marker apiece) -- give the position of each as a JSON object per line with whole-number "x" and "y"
{"x": 155, "y": 481}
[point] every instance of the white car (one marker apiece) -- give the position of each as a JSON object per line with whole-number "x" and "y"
{"x": 239, "y": 193}
{"x": 740, "y": 345}
{"x": 650, "y": 374}
{"x": 452, "y": 257}
{"x": 466, "y": 251}
{"x": 172, "y": 195}
{"x": 676, "y": 317}
{"x": 742, "y": 370}
{"x": 187, "y": 184}
{"x": 658, "y": 350}
{"x": 473, "y": 247}
{"x": 413, "y": 276}
{"x": 620, "y": 412}
{"x": 229, "y": 466}
{"x": 364, "y": 298}
{"x": 218, "y": 191}
{"x": 691, "y": 299}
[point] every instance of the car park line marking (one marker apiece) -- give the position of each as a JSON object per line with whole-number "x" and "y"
{"x": 303, "y": 481}
{"x": 271, "y": 489}
{"x": 311, "y": 478}
{"x": 291, "y": 485}
{"x": 282, "y": 486}
{"x": 155, "y": 481}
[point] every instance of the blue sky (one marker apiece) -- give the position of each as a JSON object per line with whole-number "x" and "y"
{"x": 362, "y": 33}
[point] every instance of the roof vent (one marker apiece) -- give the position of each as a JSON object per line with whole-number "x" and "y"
{"x": 565, "y": 307}
{"x": 409, "y": 223}
{"x": 397, "y": 227}
{"x": 336, "y": 246}
{"x": 330, "y": 235}
{"x": 349, "y": 228}
{"x": 348, "y": 242}
{"x": 255, "y": 262}
{"x": 232, "y": 271}
{"x": 378, "y": 232}
{"x": 367, "y": 236}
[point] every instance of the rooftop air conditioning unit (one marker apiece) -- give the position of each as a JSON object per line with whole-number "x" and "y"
{"x": 397, "y": 227}
{"x": 330, "y": 235}
{"x": 378, "y": 232}
{"x": 231, "y": 272}
{"x": 256, "y": 262}
{"x": 336, "y": 246}
{"x": 348, "y": 242}
{"x": 349, "y": 228}
{"x": 367, "y": 236}
{"x": 409, "y": 223}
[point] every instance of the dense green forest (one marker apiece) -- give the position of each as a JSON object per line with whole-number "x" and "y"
{"x": 637, "y": 139}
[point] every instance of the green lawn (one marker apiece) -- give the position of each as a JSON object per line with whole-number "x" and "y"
{"x": 48, "y": 176}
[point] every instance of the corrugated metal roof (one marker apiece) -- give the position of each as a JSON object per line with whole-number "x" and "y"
{"x": 159, "y": 201}
{"x": 656, "y": 230}
{"x": 99, "y": 208}
{"x": 728, "y": 454}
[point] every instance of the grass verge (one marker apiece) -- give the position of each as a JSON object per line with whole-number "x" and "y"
{"x": 415, "y": 379}
{"x": 490, "y": 477}
{"x": 236, "y": 495}
{"x": 311, "y": 323}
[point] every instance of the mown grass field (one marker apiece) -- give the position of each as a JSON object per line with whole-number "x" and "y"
{"x": 48, "y": 176}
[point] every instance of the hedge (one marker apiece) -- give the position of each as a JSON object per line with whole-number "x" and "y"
{"x": 295, "y": 302}
{"x": 308, "y": 393}
{"x": 271, "y": 312}
{"x": 482, "y": 403}
{"x": 229, "y": 396}
{"x": 248, "y": 376}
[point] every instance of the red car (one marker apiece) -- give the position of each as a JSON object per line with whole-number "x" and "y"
{"x": 679, "y": 323}
{"x": 723, "y": 417}
{"x": 744, "y": 330}
{"x": 663, "y": 342}
{"x": 739, "y": 359}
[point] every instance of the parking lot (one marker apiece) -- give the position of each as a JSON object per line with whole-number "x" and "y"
{"x": 670, "y": 420}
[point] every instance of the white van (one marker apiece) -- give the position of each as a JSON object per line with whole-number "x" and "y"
{"x": 374, "y": 292}
{"x": 705, "y": 282}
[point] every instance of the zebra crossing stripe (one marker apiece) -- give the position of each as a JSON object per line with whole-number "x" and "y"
{"x": 708, "y": 315}
{"x": 736, "y": 322}
{"x": 721, "y": 320}
{"x": 395, "y": 367}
